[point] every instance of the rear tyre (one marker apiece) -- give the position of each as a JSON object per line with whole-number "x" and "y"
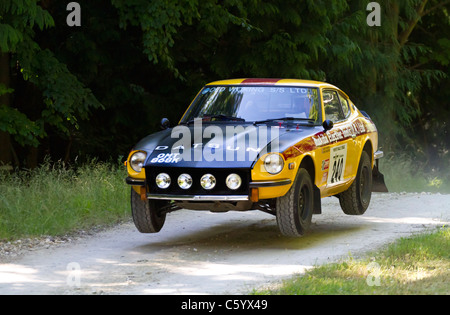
{"x": 145, "y": 215}
{"x": 295, "y": 209}
{"x": 356, "y": 199}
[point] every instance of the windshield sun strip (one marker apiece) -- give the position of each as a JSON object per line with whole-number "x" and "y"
{"x": 238, "y": 119}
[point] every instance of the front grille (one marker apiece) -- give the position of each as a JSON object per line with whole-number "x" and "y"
{"x": 196, "y": 173}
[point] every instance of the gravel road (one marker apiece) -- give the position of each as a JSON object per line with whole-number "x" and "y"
{"x": 211, "y": 253}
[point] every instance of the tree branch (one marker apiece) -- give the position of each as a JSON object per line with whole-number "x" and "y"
{"x": 403, "y": 38}
{"x": 437, "y": 6}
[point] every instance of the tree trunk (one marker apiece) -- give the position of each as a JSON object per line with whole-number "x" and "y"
{"x": 5, "y": 138}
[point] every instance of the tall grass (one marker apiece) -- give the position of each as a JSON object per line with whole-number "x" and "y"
{"x": 55, "y": 199}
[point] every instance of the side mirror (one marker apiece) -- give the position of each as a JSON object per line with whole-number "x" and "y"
{"x": 165, "y": 123}
{"x": 327, "y": 125}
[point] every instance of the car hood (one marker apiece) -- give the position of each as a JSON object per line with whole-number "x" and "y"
{"x": 219, "y": 145}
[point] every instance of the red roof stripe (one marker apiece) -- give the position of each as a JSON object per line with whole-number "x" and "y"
{"x": 260, "y": 81}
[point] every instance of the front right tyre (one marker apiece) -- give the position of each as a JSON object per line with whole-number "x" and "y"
{"x": 356, "y": 199}
{"x": 145, "y": 214}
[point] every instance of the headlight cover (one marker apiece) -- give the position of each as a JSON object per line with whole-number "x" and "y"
{"x": 185, "y": 181}
{"x": 233, "y": 181}
{"x": 163, "y": 180}
{"x": 208, "y": 181}
{"x": 137, "y": 161}
{"x": 273, "y": 163}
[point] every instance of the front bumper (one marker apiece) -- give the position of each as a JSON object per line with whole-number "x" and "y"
{"x": 230, "y": 198}
{"x": 378, "y": 155}
{"x": 199, "y": 197}
{"x": 134, "y": 182}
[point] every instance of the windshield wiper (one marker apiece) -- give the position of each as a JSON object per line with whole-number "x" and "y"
{"x": 310, "y": 120}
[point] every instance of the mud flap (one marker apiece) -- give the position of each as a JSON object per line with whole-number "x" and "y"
{"x": 317, "y": 200}
{"x": 378, "y": 184}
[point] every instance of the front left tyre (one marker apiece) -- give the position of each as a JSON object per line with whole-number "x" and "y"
{"x": 145, "y": 214}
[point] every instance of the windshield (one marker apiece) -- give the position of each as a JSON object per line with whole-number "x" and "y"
{"x": 255, "y": 104}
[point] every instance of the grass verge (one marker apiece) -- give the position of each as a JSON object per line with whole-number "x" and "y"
{"x": 416, "y": 265}
{"x": 56, "y": 200}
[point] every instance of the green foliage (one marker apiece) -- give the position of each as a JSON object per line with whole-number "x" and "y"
{"x": 384, "y": 60}
{"x": 17, "y": 19}
{"x": 64, "y": 98}
{"x": 160, "y": 21}
{"x": 5, "y": 90}
{"x": 10, "y": 37}
{"x": 442, "y": 55}
{"x": 286, "y": 40}
{"x": 18, "y": 125}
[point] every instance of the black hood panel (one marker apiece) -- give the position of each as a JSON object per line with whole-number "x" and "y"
{"x": 219, "y": 145}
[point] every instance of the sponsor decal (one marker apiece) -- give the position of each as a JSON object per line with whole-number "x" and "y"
{"x": 325, "y": 164}
{"x": 324, "y": 177}
{"x": 338, "y": 157}
{"x": 337, "y": 134}
{"x": 321, "y": 139}
{"x": 166, "y": 158}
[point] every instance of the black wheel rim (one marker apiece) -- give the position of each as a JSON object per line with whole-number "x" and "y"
{"x": 364, "y": 185}
{"x": 303, "y": 202}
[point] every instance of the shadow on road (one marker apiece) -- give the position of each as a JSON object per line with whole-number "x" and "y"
{"x": 249, "y": 236}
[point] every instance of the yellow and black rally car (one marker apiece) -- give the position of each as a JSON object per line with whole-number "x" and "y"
{"x": 276, "y": 145}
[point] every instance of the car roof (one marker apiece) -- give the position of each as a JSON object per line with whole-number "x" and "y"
{"x": 258, "y": 81}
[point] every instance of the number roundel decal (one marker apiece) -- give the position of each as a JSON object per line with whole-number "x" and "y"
{"x": 338, "y": 157}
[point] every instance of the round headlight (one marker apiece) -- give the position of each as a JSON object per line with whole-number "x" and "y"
{"x": 273, "y": 163}
{"x": 137, "y": 161}
{"x": 208, "y": 181}
{"x": 163, "y": 180}
{"x": 233, "y": 181}
{"x": 185, "y": 181}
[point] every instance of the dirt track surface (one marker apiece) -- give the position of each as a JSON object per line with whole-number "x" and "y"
{"x": 211, "y": 253}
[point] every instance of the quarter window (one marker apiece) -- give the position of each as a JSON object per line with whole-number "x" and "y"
{"x": 345, "y": 106}
{"x": 333, "y": 109}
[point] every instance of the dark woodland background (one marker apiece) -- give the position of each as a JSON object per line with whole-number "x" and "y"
{"x": 92, "y": 91}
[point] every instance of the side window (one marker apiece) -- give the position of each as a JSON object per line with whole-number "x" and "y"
{"x": 332, "y": 106}
{"x": 345, "y": 106}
